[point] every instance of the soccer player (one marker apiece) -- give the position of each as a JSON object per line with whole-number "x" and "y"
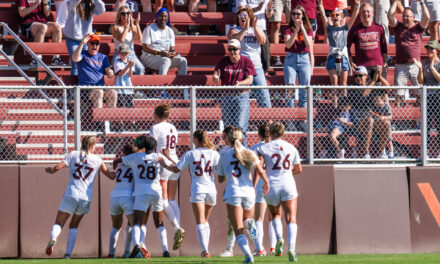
{"x": 235, "y": 167}
{"x": 201, "y": 162}
{"x": 121, "y": 202}
{"x": 282, "y": 162}
{"x": 166, "y": 136}
{"x": 83, "y": 168}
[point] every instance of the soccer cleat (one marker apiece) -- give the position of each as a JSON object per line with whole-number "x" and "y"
{"x": 251, "y": 229}
{"x": 205, "y": 254}
{"x": 279, "y": 248}
{"x": 144, "y": 251}
{"x": 66, "y": 256}
{"x": 292, "y": 256}
{"x": 135, "y": 251}
{"x": 248, "y": 259}
{"x": 50, "y": 246}
{"x": 272, "y": 251}
{"x": 166, "y": 254}
{"x": 226, "y": 253}
{"x": 260, "y": 253}
{"x": 178, "y": 238}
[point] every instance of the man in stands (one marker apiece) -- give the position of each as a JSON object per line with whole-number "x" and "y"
{"x": 408, "y": 46}
{"x": 34, "y": 22}
{"x": 369, "y": 40}
{"x": 237, "y": 70}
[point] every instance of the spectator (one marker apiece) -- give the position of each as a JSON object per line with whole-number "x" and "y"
{"x": 277, "y": 9}
{"x": 92, "y": 66}
{"x": 79, "y": 24}
{"x": 125, "y": 30}
{"x": 429, "y": 74}
{"x": 34, "y": 22}
{"x": 61, "y": 7}
{"x": 381, "y": 115}
{"x": 251, "y": 37}
{"x": 259, "y": 9}
{"x": 330, "y": 5}
{"x": 158, "y": 4}
{"x": 310, "y": 8}
{"x": 337, "y": 31}
{"x": 434, "y": 15}
{"x": 341, "y": 124}
{"x": 237, "y": 70}
{"x": 298, "y": 36}
{"x": 132, "y": 5}
{"x": 193, "y": 6}
{"x": 369, "y": 41}
{"x": 408, "y": 45}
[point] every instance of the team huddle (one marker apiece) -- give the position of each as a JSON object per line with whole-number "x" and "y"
{"x": 147, "y": 176}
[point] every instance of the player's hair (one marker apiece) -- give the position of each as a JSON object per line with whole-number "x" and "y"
{"x": 150, "y": 145}
{"x": 246, "y": 157}
{"x": 162, "y": 111}
{"x": 263, "y": 133}
{"x": 203, "y": 138}
{"x": 127, "y": 149}
{"x": 139, "y": 142}
{"x": 86, "y": 144}
{"x": 276, "y": 130}
{"x": 227, "y": 129}
{"x": 249, "y": 11}
{"x": 86, "y": 13}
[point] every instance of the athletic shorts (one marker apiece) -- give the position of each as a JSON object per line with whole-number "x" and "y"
{"x": 73, "y": 206}
{"x": 279, "y": 7}
{"x": 144, "y": 201}
{"x": 246, "y": 202}
{"x": 331, "y": 63}
{"x": 281, "y": 193}
{"x": 121, "y": 205}
{"x": 207, "y": 198}
{"x": 169, "y": 175}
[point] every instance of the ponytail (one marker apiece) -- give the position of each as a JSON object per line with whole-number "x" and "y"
{"x": 263, "y": 133}
{"x": 203, "y": 138}
{"x": 246, "y": 157}
{"x": 86, "y": 145}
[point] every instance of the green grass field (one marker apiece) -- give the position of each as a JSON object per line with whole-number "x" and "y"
{"x": 400, "y": 258}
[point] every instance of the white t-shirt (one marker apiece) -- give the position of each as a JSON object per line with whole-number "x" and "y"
{"x": 124, "y": 181}
{"x": 82, "y": 175}
{"x": 260, "y": 14}
{"x": 238, "y": 178}
{"x": 146, "y": 172}
{"x": 166, "y": 136}
{"x": 250, "y": 47}
{"x": 202, "y": 163}
{"x": 157, "y": 38}
{"x": 124, "y": 80}
{"x": 279, "y": 158}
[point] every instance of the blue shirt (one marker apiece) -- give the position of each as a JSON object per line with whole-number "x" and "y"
{"x": 91, "y": 69}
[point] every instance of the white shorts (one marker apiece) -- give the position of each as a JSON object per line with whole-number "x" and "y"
{"x": 169, "y": 175}
{"x": 73, "y": 206}
{"x": 281, "y": 193}
{"x": 259, "y": 198}
{"x": 144, "y": 201}
{"x": 207, "y": 198}
{"x": 121, "y": 205}
{"x": 246, "y": 202}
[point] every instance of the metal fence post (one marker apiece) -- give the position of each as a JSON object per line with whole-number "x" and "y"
{"x": 65, "y": 121}
{"x": 310, "y": 124}
{"x": 77, "y": 117}
{"x": 193, "y": 118}
{"x": 424, "y": 128}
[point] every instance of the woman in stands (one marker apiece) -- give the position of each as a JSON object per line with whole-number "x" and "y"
{"x": 83, "y": 167}
{"x": 282, "y": 162}
{"x": 298, "y": 36}
{"x": 202, "y": 162}
{"x": 251, "y": 38}
{"x": 79, "y": 23}
{"x": 166, "y": 136}
{"x": 121, "y": 202}
{"x": 127, "y": 30}
{"x": 337, "y": 31}
{"x": 235, "y": 167}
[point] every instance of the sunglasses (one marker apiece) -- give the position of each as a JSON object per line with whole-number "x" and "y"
{"x": 94, "y": 43}
{"x": 296, "y": 14}
{"x": 335, "y": 15}
{"x": 232, "y": 49}
{"x": 359, "y": 75}
{"x": 125, "y": 13}
{"x": 243, "y": 16}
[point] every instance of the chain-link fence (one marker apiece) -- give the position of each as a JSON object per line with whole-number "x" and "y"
{"x": 330, "y": 124}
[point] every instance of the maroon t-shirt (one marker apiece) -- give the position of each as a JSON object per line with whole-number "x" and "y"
{"x": 408, "y": 42}
{"x": 369, "y": 43}
{"x": 309, "y": 6}
{"x": 299, "y": 45}
{"x": 231, "y": 73}
{"x": 37, "y": 15}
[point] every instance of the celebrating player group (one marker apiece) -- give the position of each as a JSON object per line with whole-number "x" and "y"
{"x": 147, "y": 175}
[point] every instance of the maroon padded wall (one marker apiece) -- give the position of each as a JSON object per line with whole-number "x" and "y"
{"x": 372, "y": 213}
{"x": 425, "y": 209}
{"x": 40, "y": 195}
{"x": 9, "y": 194}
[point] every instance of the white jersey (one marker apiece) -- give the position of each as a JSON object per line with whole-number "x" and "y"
{"x": 82, "y": 175}
{"x": 224, "y": 149}
{"x": 202, "y": 163}
{"x": 157, "y": 38}
{"x": 124, "y": 181}
{"x": 238, "y": 178}
{"x": 146, "y": 172}
{"x": 279, "y": 158}
{"x": 255, "y": 148}
{"x": 166, "y": 136}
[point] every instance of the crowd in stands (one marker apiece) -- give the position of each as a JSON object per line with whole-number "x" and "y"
{"x": 248, "y": 60}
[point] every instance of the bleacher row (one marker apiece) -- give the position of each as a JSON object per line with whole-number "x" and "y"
{"x": 33, "y": 130}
